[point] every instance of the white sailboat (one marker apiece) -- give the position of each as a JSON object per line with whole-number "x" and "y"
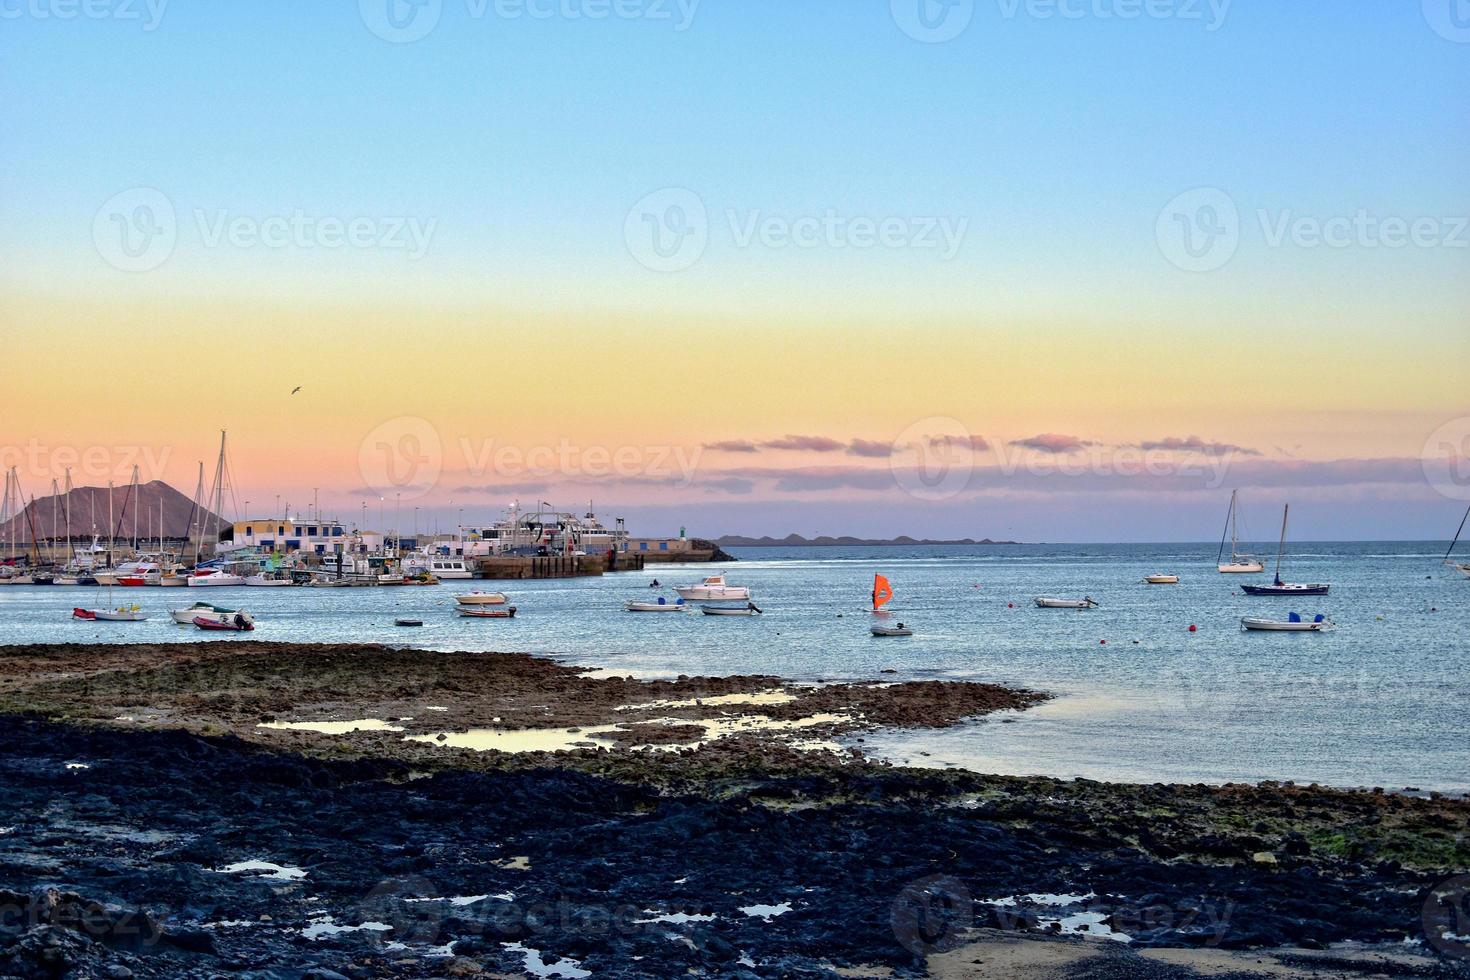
{"x": 1238, "y": 563}
{"x": 1462, "y": 568}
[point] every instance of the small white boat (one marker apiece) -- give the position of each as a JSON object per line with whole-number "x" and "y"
{"x": 268, "y": 580}
{"x": 186, "y": 617}
{"x": 1161, "y": 579}
{"x": 897, "y": 630}
{"x": 475, "y": 612}
{"x": 478, "y": 598}
{"x": 207, "y": 578}
{"x": 1292, "y": 624}
{"x": 660, "y": 605}
{"x": 748, "y": 609}
{"x": 122, "y": 614}
{"x": 1046, "y": 602}
{"x": 713, "y": 588}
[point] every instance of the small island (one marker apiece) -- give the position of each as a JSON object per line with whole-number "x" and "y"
{"x": 844, "y": 541}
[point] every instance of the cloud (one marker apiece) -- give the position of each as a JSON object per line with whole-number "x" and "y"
{"x": 1194, "y": 444}
{"x": 1053, "y": 442}
{"x": 733, "y": 446}
{"x": 977, "y": 443}
{"x": 730, "y": 484}
{"x": 804, "y": 444}
{"x": 501, "y": 488}
{"x": 870, "y": 448}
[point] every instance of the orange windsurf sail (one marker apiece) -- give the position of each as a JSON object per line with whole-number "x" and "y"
{"x": 882, "y": 591}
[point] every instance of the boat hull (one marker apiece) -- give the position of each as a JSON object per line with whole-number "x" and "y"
{"x": 481, "y": 599}
{"x": 261, "y": 582}
{"x": 655, "y": 606}
{"x": 1286, "y": 589}
{"x": 470, "y": 612}
{"x": 1161, "y": 579}
{"x": 1279, "y": 626}
{"x": 725, "y": 611}
{"x": 1044, "y": 603}
{"x": 223, "y": 626}
{"x": 891, "y": 631}
{"x": 215, "y": 581}
{"x": 1241, "y": 568}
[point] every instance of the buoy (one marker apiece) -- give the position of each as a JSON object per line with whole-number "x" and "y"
{"x": 1103, "y": 642}
{"x": 1193, "y": 628}
{"x": 1009, "y": 605}
{"x": 1135, "y": 643}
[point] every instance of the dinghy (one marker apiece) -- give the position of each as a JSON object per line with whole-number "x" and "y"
{"x": 240, "y": 622}
{"x": 408, "y": 622}
{"x": 749, "y": 609}
{"x": 1278, "y": 587}
{"x": 897, "y": 630}
{"x": 661, "y": 605}
{"x": 1291, "y": 624}
{"x": 1045, "y": 602}
{"x": 478, "y": 612}
{"x": 1161, "y": 579}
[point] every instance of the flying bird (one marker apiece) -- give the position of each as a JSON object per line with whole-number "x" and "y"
{"x": 295, "y": 389}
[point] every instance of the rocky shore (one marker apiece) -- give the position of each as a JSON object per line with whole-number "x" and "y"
{"x": 150, "y": 826}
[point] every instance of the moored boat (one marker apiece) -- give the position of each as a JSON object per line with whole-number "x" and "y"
{"x": 659, "y": 605}
{"x": 269, "y": 580}
{"x": 1161, "y": 579}
{"x": 478, "y": 598}
{"x": 1293, "y": 623}
{"x": 1278, "y": 587}
{"x": 898, "y": 629}
{"x": 1047, "y": 602}
{"x": 478, "y": 612}
{"x": 749, "y": 609}
{"x": 240, "y": 622}
{"x": 205, "y": 578}
{"x": 122, "y": 614}
{"x": 1239, "y": 564}
{"x": 713, "y": 588}
{"x": 186, "y": 617}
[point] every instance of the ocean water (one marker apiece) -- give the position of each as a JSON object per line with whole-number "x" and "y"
{"x": 1383, "y": 700}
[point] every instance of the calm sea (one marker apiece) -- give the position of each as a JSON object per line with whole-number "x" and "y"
{"x": 1383, "y": 700}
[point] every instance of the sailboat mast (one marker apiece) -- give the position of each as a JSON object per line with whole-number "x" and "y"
{"x": 67, "y": 508}
{"x": 1229, "y": 524}
{"x": 1281, "y": 547}
{"x": 1458, "y": 532}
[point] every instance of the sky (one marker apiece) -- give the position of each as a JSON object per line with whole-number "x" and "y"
{"x": 1046, "y": 270}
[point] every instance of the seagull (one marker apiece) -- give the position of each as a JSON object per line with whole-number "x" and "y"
{"x": 295, "y": 389}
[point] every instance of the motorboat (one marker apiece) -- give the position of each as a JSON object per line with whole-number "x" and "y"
{"x": 1161, "y": 579}
{"x": 1278, "y": 587}
{"x": 408, "y": 622}
{"x": 896, "y": 630}
{"x": 478, "y": 598}
{"x": 713, "y": 588}
{"x": 1293, "y": 623}
{"x": 1046, "y": 602}
{"x": 1239, "y": 564}
{"x": 122, "y": 614}
{"x": 269, "y": 580}
{"x": 749, "y": 609}
{"x": 205, "y": 578}
{"x": 440, "y": 566}
{"x": 477, "y": 612}
{"x": 186, "y": 617}
{"x": 659, "y": 605}
{"x": 240, "y": 622}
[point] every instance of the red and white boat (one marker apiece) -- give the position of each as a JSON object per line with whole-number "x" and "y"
{"x": 240, "y": 622}
{"x": 122, "y": 614}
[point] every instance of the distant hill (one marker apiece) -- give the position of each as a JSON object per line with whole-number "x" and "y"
{"x": 845, "y": 541}
{"x": 89, "y": 504}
